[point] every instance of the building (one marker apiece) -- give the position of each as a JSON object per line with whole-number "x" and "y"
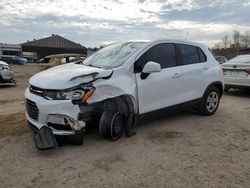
{"x": 10, "y": 49}
{"x": 54, "y": 44}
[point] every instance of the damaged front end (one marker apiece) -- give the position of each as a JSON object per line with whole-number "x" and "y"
{"x": 63, "y": 114}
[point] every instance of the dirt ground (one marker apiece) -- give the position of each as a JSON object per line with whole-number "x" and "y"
{"x": 181, "y": 150}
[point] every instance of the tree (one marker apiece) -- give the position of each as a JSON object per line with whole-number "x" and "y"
{"x": 246, "y": 39}
{"x": 236, "y": 39}
{"x": 217, "y": 45}
{"x": 225, "y": 41}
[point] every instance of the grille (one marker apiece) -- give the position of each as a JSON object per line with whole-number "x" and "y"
{"x": 32, "y": 109}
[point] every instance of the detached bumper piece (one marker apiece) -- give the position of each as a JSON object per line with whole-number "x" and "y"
{"x": 45, "y": 139}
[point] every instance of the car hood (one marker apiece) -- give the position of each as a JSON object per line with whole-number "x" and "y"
{"x": 3, "y": 63}
{"x": 67, "y": 76}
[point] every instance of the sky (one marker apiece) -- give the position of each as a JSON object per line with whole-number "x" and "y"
{"x": 98, "y": 22}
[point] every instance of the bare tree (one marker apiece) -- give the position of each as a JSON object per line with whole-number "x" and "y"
{"x": 225, "y": 41}
{"x": 217, "y": 45}
{"x": 246, "y": 39}
{"x": 236, "y": 39}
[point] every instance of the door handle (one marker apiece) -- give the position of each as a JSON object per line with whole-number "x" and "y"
{"x": 206, "y": 67}
{"x": 176, "y": 75}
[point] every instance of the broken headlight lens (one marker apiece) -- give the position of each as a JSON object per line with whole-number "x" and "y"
{"x": 60, "y": 95}
{"x": 79, "y": 94}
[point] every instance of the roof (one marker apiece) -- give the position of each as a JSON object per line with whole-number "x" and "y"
{"x": 54, "y": 41}
{"x": 169, "y": 41}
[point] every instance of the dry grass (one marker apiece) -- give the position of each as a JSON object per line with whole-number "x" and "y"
{"x": 13, "y": 124}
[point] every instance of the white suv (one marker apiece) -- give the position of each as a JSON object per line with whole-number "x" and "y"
{"x": 120, "y": 83}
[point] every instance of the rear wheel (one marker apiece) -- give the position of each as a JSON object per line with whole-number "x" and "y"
{"x": 111, "y": 125}
{"x": 210, "y": 101}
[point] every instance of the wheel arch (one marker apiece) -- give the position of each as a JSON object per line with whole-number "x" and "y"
{"x": 218, "y": 85}
{"x": 124, "y": 102}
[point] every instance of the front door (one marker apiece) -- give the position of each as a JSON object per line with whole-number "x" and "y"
{"x": 161, "y": 89}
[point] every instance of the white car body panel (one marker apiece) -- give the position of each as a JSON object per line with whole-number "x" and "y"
{"x": 59, "y": 77}
{"x": 152, "y": 93}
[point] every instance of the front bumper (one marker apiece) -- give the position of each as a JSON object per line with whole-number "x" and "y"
{"x": 49, "y": 109}
{"x": 6, "y": 75}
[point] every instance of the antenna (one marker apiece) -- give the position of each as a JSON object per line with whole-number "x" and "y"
{"x": 187, "y": 35}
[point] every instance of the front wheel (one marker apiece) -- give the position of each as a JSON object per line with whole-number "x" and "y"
{"x": 210, "y": 101}
{"x": 111, "y": 125}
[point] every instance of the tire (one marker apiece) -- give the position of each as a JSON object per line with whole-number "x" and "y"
{"x": 111, "y": 125}
{"x": 210, "y": 101}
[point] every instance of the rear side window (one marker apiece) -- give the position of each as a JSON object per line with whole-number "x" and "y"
{"x": 202, "y": 56}
{"x": 164, "y": 54}
{"x": 191, "y": 54}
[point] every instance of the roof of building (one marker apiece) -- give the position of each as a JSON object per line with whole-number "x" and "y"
{"x": 54, "y": 41}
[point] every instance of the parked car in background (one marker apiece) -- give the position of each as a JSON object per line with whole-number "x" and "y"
{"x": 118, "y": 84}
{"x": 6, "y": 74}
{"x": 58, "y": 59}
{"x": 237, "y": 72}
{"x": 12, "y": 59}
{"x": 244, "y": 51}
{"x": 221, "y": 59}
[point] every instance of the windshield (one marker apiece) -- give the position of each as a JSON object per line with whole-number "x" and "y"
{"x": 241, "y": 59}
{"x": 113, "y": 55}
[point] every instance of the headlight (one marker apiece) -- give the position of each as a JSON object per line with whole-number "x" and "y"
{"x": 58, "y": 95}
{"x": 82, "y": 95}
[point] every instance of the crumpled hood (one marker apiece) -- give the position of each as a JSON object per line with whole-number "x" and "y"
{"x": 66, "y": 76}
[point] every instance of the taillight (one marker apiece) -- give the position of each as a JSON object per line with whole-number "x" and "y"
{"x": 222, "y": 68}
{"x": 248, "y": 71}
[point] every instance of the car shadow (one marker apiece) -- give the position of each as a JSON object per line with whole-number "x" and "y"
{"x": 154, "y": 118}
{"x": 238, "y": 93}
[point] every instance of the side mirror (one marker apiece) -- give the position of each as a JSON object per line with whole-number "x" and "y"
{"x": 151, "y": 67}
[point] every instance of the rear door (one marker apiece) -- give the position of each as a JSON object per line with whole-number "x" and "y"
{"x": 194, "y": 66}
{"x": 160, "y": 89}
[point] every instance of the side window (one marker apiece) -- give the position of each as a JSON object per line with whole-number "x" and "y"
{"x": 189, "y": 54}
{"x": 202, "y": 55}
{"x": 164, "y": 54}
{"x": 139, "y": 64}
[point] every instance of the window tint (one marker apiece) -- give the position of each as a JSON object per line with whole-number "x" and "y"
{"x": 202, "y": 56}
{"x": 139, "y": 64}
{"x": 164, "y": 54}
{"x": 189, "y": 54}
